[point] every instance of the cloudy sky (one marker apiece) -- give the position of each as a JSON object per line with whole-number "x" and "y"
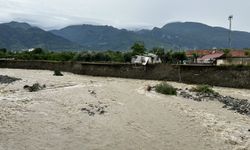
{"x": 52, "y": 14}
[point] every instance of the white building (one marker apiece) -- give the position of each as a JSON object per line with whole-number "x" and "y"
{"x": 146, "y": 59}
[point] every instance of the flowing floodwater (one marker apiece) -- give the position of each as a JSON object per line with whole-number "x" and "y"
{"x": 83, "y": 112}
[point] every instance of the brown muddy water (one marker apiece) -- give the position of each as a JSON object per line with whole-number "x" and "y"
{"x": 76, "y": 112}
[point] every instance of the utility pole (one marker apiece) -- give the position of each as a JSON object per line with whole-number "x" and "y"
{"x": 230, "y": 18}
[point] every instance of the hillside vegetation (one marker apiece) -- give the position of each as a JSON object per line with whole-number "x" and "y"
{"x": 187, "y": 35}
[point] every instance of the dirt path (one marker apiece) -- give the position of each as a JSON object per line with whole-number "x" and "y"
{"x": 95, "y": 113}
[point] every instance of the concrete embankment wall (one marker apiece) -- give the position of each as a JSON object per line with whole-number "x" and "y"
{"x": 227, "y": 76}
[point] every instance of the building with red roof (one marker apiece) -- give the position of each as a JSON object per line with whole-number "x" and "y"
{"x": 210, "y": 58}
{"x": 190, "y": 53}
{"x": 237, "y": 53}
{"x": 234, "y": 57}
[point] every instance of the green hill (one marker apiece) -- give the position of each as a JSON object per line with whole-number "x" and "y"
{"x": 18, "y": 36}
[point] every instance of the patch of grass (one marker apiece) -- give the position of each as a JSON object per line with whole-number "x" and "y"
{"x": 165, "y": 88}
{"x": 203, "y": 89}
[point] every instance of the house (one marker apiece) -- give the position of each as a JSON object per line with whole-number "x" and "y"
{"x": 193, "y": 55}
{"x": 146, "y": 59}
{"x": 31, "y": 49}
{"x": 234, "y": 57}
{"x": 210, "y": 58}
{"x": 218, "y": 57}
{"x": 190, "y": 53}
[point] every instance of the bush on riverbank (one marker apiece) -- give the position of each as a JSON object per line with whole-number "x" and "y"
{"x": 57, "y": 73}
{"x": 203, "y": 89}
{"x": 165, "y": 88}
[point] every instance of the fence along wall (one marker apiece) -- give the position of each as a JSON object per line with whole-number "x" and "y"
{"x": 227, "y": 76}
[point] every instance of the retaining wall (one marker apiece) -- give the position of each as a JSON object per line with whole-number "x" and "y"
{"x": 227, "y": 76}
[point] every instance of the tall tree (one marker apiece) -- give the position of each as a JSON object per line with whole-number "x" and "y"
{"x": 227, "y": 52}
{"x": 179, "y": 57}
{"x": 138, "y": 48}
{"x": 195, "y": 57}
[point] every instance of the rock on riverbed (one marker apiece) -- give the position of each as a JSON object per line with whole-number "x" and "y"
{"x": 7, "y": 80}
{"x": 242, "y": 106}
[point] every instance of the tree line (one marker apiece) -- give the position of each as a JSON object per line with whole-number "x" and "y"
{"x": 138, "y": 48}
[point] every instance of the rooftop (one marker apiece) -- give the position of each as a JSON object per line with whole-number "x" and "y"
{"x": 212, "y": 56}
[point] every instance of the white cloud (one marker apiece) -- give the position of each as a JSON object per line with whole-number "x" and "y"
{"x": 125, "y": 13}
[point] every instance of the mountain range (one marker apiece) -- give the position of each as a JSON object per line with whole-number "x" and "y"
{"x": 18, "y": 36}
{"x": 177, "y": 35}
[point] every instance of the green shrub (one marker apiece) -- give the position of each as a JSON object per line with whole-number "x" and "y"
{"x": 57, "y": 73}
{"x": 203, "y": 89}
{"x": 165, "y": 88}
